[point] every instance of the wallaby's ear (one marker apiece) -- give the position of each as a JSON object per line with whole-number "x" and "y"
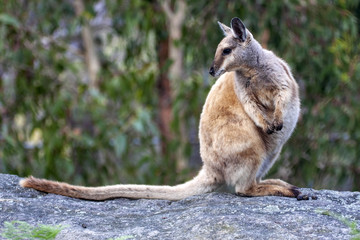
{"x": 226, "y": 30}
{"x": 238, "y": 29}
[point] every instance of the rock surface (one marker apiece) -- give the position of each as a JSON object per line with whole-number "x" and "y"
{"x": 207, "y": 216}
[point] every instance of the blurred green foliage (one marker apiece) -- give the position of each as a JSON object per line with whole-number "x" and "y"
{"x": 54, "y": 125}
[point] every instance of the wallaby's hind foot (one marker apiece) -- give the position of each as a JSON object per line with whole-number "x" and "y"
{"x": 257, "y": 190}
{"x": 276, "y": 182}
{"x": 274, "y": 187}
{"x": 299, "y": 195}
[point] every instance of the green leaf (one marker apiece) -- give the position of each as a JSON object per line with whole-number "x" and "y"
{"x": 9, "y": 20}
{"x": 119, "y": 143}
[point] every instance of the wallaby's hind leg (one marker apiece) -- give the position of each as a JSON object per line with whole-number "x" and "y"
{"x": 277, "y": 182}
{"x": 265, "y": 166}
{"x": 247, "y": 185}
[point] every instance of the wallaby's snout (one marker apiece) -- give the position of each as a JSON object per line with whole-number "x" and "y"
{"x": 212, "y": 70}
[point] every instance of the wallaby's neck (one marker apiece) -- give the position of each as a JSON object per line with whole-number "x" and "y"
{"x": 254, "y": 65}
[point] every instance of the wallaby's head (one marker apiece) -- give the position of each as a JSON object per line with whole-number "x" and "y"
{"x": 234, "y": 50}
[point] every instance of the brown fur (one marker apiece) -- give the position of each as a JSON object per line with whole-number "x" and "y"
{"x": 248, "y": 115}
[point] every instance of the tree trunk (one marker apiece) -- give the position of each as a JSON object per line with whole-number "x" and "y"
{"x": 91, "y": 59}
{"x": 175, "y": 17}
{"x": 164, "y": 91}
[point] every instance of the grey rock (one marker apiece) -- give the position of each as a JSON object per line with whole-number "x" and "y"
{"x": 207, "y": 216}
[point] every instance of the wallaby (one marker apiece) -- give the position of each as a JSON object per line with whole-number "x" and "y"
{"x": 249, "y": 114}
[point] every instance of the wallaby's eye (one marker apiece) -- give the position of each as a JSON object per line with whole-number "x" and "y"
{"x": 226, "y": 51}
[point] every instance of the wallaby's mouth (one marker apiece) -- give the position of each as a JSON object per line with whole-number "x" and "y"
{"x": 220, "y": 72}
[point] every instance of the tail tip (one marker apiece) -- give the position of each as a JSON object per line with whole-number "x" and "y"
{"x": 25, "y": 182}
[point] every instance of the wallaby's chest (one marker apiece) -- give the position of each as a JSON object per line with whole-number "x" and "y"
{"x": 257, "y": 92}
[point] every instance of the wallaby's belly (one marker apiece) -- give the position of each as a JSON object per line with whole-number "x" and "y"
{"x": 225, "y": 128}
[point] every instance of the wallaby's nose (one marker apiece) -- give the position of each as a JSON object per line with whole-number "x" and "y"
{"x": 212, "y": 71}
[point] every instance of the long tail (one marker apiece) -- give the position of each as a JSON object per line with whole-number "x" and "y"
{"x": 198, "y": 185}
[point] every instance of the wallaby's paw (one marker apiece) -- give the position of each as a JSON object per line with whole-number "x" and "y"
{"x": 278, "y": 125}
{"x": 275, "y": 126}
{"x": 302, "y": 196}
{"x": 270, "y": 129}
